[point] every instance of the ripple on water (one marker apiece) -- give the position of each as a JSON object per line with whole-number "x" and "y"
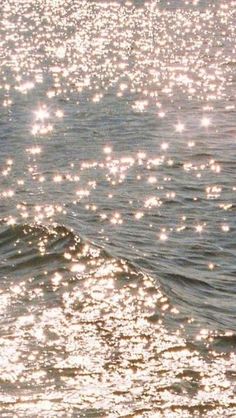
{"x": 85, "y": 335}
{"x": 118, "y": 119}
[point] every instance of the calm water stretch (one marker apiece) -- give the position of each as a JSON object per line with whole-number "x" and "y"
{"x": 118, "y": 205}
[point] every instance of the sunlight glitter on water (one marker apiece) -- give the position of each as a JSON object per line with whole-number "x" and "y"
{"x": 117, "y": 121}
{"x": 108, "y": 345}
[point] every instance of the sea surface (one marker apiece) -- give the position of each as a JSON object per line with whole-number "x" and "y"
{"x": 117, "y": 209}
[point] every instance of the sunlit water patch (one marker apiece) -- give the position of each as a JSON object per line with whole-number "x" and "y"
{"x": 86, "y": 332}
{"x": 117, "y": 199}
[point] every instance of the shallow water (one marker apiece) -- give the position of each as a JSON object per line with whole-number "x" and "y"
{"x": 117, "y": 198}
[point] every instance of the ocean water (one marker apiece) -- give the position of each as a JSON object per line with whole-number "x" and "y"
{"x": 117, "y": 208}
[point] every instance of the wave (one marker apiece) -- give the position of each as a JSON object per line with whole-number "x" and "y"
{"x": 51, "y": 258}
{"x": 82, "y": 333}
{"x": 34, "y": 246}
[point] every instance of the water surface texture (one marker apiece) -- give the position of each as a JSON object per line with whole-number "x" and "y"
{"x": 117, "y": 200}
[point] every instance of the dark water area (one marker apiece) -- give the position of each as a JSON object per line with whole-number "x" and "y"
{"x": 117, "y": 209}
